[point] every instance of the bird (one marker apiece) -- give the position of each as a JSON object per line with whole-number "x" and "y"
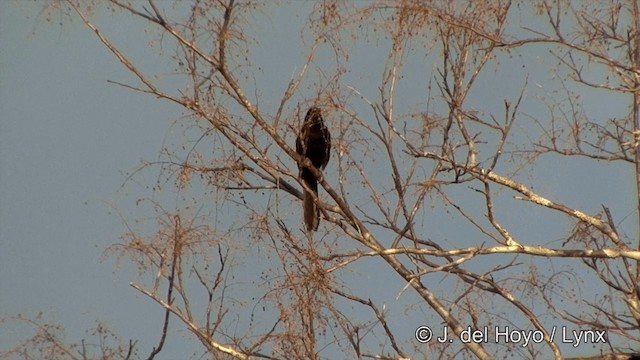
{"x": 313, "y": 143}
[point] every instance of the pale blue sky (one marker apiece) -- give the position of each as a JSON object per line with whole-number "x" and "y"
{"x": 68, "y": 138}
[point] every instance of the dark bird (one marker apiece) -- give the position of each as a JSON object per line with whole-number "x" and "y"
{"x": 313, "y": 143}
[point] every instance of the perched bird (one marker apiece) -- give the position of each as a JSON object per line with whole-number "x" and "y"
{"x": 314, "y": 143}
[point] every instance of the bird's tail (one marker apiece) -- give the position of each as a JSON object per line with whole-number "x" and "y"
{"x": 311, "y": 211}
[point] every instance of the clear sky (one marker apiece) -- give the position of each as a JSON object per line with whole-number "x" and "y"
{"x": 68, "y": 139}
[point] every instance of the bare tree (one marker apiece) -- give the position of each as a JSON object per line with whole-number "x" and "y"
{"x": 435, "y": 173}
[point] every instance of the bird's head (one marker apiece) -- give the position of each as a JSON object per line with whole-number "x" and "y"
{"x": 313, "y": 114}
